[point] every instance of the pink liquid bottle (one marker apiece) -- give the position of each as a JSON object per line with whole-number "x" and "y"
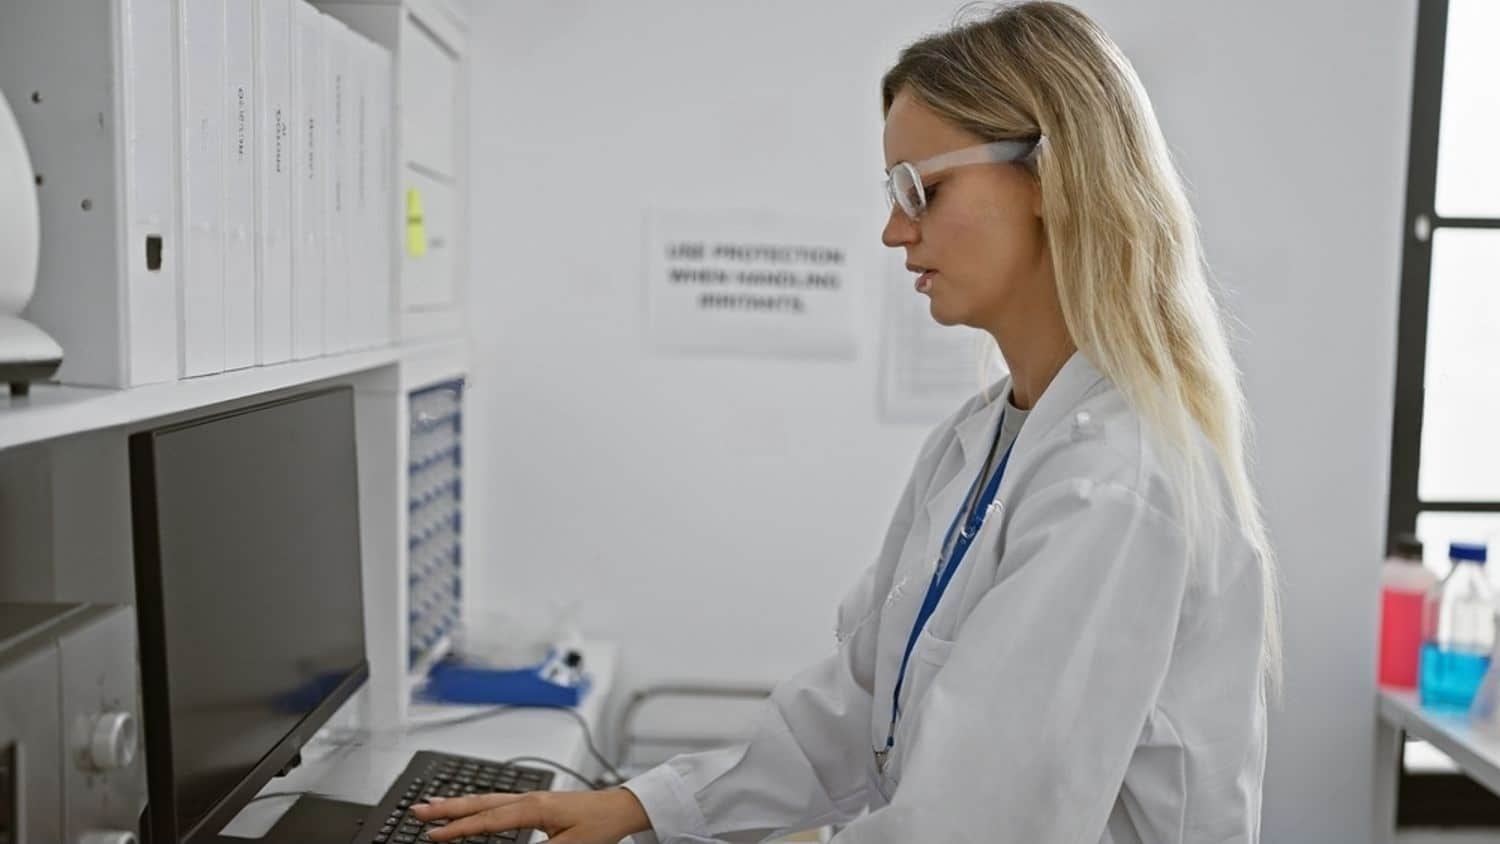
{"x": 1404, "y": 583}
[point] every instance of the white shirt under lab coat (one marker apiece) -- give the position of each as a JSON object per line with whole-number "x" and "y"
{"x": 1079, "y": 681}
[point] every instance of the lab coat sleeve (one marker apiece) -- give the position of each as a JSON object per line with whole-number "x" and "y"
{"x": 1027, "y": 730}
{"x": 808, "y": 762}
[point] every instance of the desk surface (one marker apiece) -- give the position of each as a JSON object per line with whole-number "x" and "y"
{"x": 1475, "y": 751}
{"x": 361, "y": 768}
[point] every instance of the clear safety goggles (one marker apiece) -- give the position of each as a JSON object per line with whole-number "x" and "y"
{"x": 903, "y": 182}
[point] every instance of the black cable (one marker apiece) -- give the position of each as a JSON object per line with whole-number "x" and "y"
{"x": 593, "y": 785}
{"x": 588, "y": 734}
{"x": 588, "y": 739}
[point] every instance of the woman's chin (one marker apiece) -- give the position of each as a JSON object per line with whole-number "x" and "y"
{"x": 941, "y": 316}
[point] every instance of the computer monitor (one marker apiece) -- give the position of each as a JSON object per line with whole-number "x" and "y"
{"x": 248, "y": 597}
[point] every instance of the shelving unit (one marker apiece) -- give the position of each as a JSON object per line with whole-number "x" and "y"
{"x": 53, "y": 411}
{"x": 64, "y": 472}
{"x": 65, "y": 490}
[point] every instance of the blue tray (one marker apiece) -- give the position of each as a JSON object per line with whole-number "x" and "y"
{"x": 454, "y": 681}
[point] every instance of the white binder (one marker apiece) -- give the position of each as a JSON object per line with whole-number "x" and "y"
{"x": 360, "y": 275}
{"x": 201, "y": 190}
{"x": 337, "y": 99}
{"x": 387, "y": 209}
{"x": 371, "y": 298}
{"x": 240, "y": 110}
{"x": 146, "y": 85}
{"x": 308, "y": 160}
{"x": 273, "y": 179}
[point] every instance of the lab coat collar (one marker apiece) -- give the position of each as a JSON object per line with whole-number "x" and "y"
{"x": 1076, "y": 378}
{"x": 975, "y": 432}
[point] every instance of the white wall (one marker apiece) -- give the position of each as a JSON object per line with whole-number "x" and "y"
{"x": 708, "y": 513}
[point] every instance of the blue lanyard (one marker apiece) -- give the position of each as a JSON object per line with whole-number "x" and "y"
{"x": 944, "y": 572}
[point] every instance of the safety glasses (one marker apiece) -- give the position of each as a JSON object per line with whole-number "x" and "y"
{"x": 903, "y": 182}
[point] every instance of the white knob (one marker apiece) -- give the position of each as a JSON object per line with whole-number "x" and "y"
{"x": 114, "y": 837}
{"x": 112, "y": 745}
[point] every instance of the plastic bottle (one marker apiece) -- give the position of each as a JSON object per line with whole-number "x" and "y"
{"x": 1404, "y": 584}
{"x": 1458, "y": 626}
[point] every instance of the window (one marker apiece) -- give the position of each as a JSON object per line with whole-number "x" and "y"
{"x": 1445, "y": 450}
{"x": 1445, "y": 443}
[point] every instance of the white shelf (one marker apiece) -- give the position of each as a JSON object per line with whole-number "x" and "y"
{"x": 429, "y": 363}
{"x": 53, "y": 411}
{"x": 1477, "y": 753}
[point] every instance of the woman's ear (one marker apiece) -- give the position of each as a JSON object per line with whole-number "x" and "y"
{"x": 1034, "y": 185}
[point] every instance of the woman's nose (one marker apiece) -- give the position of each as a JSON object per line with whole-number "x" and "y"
{"x": 899, "y": 229}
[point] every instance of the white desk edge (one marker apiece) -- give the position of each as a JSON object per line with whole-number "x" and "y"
{"x": 361, "y": 772}
{"x": 1475, "y": 751}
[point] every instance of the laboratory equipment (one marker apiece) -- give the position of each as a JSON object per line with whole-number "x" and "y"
{"x": 1458, "y": 623}
{"x": 27, "y": 353}
{"x": 1404, "y": 584}
{"x": 69, "y": 726}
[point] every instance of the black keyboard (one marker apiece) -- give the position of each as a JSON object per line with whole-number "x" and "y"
{"x": 432, "y": 774}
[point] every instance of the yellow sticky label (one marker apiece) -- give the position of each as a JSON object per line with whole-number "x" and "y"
{"x": 416, "y": 228}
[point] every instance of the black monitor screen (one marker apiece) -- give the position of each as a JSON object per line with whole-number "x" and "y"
{"x": 248, "y": 568}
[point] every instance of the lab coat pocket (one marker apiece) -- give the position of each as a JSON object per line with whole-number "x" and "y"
{"x": 932, "y": 650}
{"x": 929, "y": 655}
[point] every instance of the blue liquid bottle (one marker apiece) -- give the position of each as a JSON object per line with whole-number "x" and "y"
{"x": 1458, "y": 622}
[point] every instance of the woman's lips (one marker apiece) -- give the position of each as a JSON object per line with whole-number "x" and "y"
{"x": 924, "y": 281}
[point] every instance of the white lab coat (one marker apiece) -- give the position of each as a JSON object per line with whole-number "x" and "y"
{"x": 1079, "y": 681}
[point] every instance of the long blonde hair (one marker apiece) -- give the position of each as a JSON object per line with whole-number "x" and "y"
{"x": 1124, "y": 242}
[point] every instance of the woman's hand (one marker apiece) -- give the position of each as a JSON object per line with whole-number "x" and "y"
{"x": 568, "y": 817}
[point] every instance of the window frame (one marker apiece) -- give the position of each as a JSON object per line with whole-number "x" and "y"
{"x": 1444, "y": 799}
{"x": 1420, "y": 222}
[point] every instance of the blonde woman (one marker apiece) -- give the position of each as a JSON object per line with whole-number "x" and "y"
{"x": 1070, "y": 633}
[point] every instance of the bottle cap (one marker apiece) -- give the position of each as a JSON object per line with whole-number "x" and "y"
{"x": 1406, "y": 546}
{"x": 1472, "y": 551}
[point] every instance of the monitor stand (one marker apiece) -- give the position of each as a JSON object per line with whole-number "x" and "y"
{"x": 312, "y": 820}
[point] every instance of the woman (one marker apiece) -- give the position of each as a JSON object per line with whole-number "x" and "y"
{"x": 1071, "y": 629}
